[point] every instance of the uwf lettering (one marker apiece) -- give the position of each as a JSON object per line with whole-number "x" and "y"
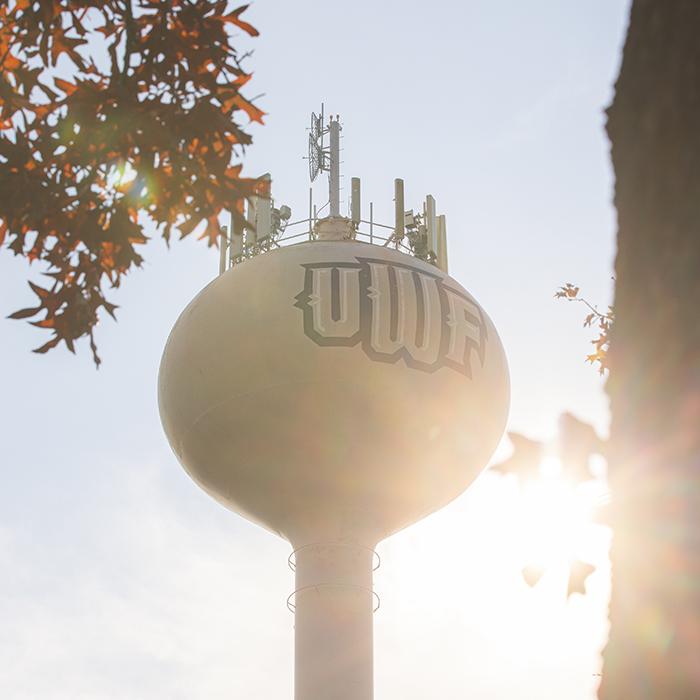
{"x": 395, "y": 311}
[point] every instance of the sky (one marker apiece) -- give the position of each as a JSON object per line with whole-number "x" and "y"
{"x": 120, "y": 579}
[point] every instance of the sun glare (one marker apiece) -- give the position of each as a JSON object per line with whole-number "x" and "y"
{"x": 554, "y": 517}
{"x": 522, "y": 560}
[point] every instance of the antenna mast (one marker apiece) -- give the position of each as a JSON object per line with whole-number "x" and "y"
{"x": 334, "y": 167}
{"x": 326, "y": 159}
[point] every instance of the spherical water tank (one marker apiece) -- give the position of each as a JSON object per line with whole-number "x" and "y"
{"x": 334, "y": 390}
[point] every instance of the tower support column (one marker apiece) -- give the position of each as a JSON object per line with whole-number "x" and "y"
{"x": 333, "y": 631}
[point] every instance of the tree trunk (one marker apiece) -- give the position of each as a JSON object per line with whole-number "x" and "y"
{"x": 654, "y": 387}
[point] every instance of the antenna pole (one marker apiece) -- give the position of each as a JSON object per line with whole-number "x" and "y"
{"x": 355, "y": 204}
{"x": 235, "y": 249}
{"x": 311, "y": 213}
{"x": 334, "y": 174}
{"x": 223, "y": 241}
{"x": 399, "y": 216}
{"x": 431, "y": 228}
{"x": 263, "y": 209}
{"x": 442, "y": 242}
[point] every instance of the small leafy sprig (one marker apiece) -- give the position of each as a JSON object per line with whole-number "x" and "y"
{"x": 601, "y": 320}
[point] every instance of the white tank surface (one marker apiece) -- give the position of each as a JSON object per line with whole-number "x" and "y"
{"x": 334, "y": 391}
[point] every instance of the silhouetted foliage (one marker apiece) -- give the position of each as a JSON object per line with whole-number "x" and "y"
{"x": 114, "y": 114}
{"x": 525, "y": 460}
{"x": 532, "y": 573}
{"x": 578, "y": 442}
{"x": 579, "y": 571}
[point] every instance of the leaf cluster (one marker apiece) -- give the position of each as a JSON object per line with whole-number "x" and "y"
{"x": 576, "y": 444}
{"x": 602, "y": 321}
{"x": 114, "y": 115}
{"x": 579, "y": 571}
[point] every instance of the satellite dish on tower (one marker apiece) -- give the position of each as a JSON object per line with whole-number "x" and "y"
{"x": 316, "y": 124}
{"x": 316, "y": 133}
{"x": 315, "y": 157}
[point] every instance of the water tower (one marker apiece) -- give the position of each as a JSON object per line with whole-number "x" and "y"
{"x": 334, "y": 386}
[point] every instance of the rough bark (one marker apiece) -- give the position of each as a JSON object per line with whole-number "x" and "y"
{"x": 654, "y": 387}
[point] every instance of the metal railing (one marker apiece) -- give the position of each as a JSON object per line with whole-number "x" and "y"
{"x": 410, "y": 242}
